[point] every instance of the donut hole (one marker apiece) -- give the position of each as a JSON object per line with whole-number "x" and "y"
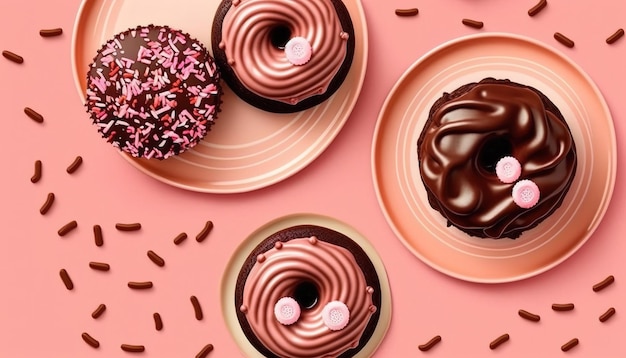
{"x": 306, "y": 294}
{"x": 492, "y": 151}
{"x": 279, "y": 36}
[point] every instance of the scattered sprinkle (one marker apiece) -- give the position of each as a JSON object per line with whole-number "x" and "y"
{"x": 133, "y": 348}
{"x": 604, "y": 283}
{"x": 67, "y": 228}
{"x": 47, "y": 204}
{"x": 196, "y": 308}
{"x": 562, "y": 306}
{"x": 180, "y": 238}
{"x": 128, "y": 227}
{"x": 537, "y": 8}
{"x": 616, "y": 36}
{"x": 13, "y": 57}
{"x": 75, "y": 164}
{"x": 205, "y": 231}
{"x": 564, "y": 40}
{"x": 529, "y": 316}
{"x": 158, "y": 323}
{"x": 140, "y": 285}
{"x": 97, "y": 235}
{"x": 407, "y": 12}
{"x": 51, "y": 32}
{"x": 205, "y": 351}
{"x": 37, "y": 175}
{"x": 67, "y": 281}
{"x": 606, "y": 315}
{"x": 156, "y": 258}
{"x": 498, "y": 341}
{"x": 569, "y": 345}
{"x": 99, "y": 311}
{"x": 100, "y": 266}
{"x": 473, "y": 23}
{"x": 428, "y": 345}
{"x": 34, "y": 115}
{"x": 90, "y": 340}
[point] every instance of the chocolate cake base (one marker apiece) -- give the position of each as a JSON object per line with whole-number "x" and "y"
{"x": 322, "y": 234}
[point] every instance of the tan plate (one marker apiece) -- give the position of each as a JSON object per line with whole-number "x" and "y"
{"x": 401, "y": 193}
{"x": 236, "y": 262}
{"x": 247, "y": 148}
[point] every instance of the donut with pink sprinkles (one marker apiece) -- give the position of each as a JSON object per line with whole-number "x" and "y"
{"x": 153, "y": 92}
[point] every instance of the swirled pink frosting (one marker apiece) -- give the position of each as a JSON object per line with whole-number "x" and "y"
{"x": 337, "y": 276}
{"x": 263, "y": 68}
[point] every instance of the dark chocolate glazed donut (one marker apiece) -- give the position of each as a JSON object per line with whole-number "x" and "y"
{"x": 469, "y": 130}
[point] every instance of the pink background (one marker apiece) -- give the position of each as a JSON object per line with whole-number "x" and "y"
{"x": 41, "y": 318}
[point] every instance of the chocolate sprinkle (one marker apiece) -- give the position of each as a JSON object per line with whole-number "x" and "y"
{"x": 196, "y": 308}
{"x": 37, "y": 175}
{"x": 97, "y": 235}
{"x": 205, "y": 351}
{"x": 99, "y": 311}
{"x": 428, "y": 345}
{"x": 616, "y": 36}
{"x": 407, "y": 12}
{"x": 140, "y": 285}
{"x": 67, "y": 228}
{"x": 100, "y": 266}
{"x": 32, "y": 114}
{"x": 158, "y": 323}
{"x": 133, "y": 348}
{"x": 603, "y": 284}
{"x": 529, "y": 316}
{"x": 473, "y": 23}
{"x": 90, "y": 340}
{"x": 205, "y": 231}
{"x": 606, "y": 315}
{"x": 47, "y": 205}
{"x": 51, "y": 32}
{"x": 156, "y": 258}
{"x": 67, "y": 281}
{"x": 13, "y": 57}
{"x": 564, "y": 40}
{"x": 562, "y": 306}
{"x": 537, "y": 8}
{"x": 180, "y": 238}
{"x": 498, "y": 341}
{"x": 569, "y": 345}
{"x": 128, "y": 227}
{"x": 75, "y": 164}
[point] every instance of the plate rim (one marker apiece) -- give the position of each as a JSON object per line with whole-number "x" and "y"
{"x": 300, "y": 165}
{"x": 609, "y": 189}
{"x": 253, "y": 238}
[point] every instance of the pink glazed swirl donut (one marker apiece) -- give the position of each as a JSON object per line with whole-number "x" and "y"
{"x": 250, "y": 40}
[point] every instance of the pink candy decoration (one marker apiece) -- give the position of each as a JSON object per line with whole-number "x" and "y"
{"x": 508, "y": 169}
{"x": 298, "y": 51}
{"x": 287, "y": 311}
{"x": 335, "y": 315}
{"x": 525, "y": 193}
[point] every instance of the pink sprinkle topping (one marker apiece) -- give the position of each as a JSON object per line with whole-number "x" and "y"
{"x": 508, "y": 170}
{"x": 525, "y": 193}
{"x": 298, "y": 51}
{"x": 335, "y": 315}
{"x": 287, "y": 311}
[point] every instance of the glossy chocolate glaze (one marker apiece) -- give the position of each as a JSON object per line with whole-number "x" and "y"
{"x": 469, "y": 130}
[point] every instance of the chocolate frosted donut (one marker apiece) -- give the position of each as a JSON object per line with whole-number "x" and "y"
{"x": 283, "y": 55}
{"x": 308, "y": 291}
{"x": 473, "y": 128}
{"x": 153, "y": 92}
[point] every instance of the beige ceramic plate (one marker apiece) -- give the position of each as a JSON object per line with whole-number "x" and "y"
{"x": 236, "y": 262}
{"x": 395, "y": 167}
{"x": 247, "y": 148}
